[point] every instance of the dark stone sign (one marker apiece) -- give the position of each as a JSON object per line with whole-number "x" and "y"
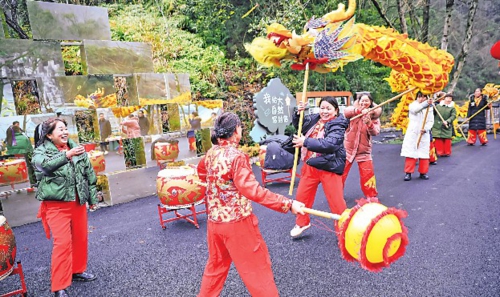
{"x": 273, "y": 107}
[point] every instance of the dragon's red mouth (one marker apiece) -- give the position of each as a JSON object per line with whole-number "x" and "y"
{"x": 277, "y": 38}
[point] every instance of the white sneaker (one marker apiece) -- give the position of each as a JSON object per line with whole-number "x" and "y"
{"x": 297, "y": 230}
{"x": 106, "y": 152}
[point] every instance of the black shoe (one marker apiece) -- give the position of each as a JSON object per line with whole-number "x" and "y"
{"x": 484, "y": 144}
{"x": 61, "y": 293}
{"x": 83, "y": 277}
{"x": 471, "y": 144}
{"x": 423, "y": 176}
{"x": 407, "y": 176}
{"x": 433, "y": 163}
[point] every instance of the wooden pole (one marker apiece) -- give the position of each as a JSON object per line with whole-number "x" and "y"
{"x": 439, "y": 114}
{"x": 299, "y": 131}
{"x": 423, "y": 125}
{"x": 492, "y": 120}
{"x": 488, "y": 103}
{"x": 461, "y": 131}
{"x": 386, "y": 101}
{"x": 322, "y": 214}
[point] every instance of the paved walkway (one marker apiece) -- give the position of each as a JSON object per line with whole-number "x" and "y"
{"x": 453, "y": 222}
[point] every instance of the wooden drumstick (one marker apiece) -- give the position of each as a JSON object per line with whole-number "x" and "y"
{"x": 299, "y": 131}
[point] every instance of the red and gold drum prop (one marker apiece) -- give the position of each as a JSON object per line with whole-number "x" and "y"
{"x": 7, "y": 249}
{"x": 97, "y": 160}
{"x": 89, "y": 146}
{"x": 13, "y": 171}
{"x": 262, "y": 155}
{"x": 370, "y": 233}
{"x": 179, "y": 186}
{"x": 166, "y": 151}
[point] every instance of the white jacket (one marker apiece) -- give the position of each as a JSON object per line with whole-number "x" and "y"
{"x": 416, "y": 116}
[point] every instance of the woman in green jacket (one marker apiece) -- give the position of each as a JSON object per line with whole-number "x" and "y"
{"x": 443, "y": 131}
{"x": 17, "y": 142}
{"x": 66, "y": 183}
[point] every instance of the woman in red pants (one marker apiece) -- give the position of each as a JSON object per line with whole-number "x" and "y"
{"x": 66, "y": 183}
{"x": 358, "y": 142}
{"x": 443, "y": 131}
{"x": 323, "y": 154}
{"x": 232, "y": 233}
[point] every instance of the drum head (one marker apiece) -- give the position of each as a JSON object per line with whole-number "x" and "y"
{"x": 176, "y": 172}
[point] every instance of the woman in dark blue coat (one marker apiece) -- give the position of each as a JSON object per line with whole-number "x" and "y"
{"x": 323, "y": 153}
{"x": 477, "y": 125}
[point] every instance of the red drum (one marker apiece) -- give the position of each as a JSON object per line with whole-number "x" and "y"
{"x": 166, "y": 151}
{"x": 89, "y": 146}
{"x": 97, "y": 160}
{"x": 7, "y": 249}
{"x": 12, "y": 172}
{"x": 262, "y": 155}
{"x": 179, "y": 186}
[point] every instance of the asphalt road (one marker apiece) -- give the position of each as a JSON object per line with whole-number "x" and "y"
{"x": 453, "y": 223}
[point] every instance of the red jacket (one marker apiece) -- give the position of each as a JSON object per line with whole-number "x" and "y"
{"x": 358, "y": 136}
{"x": 231, "y": 185}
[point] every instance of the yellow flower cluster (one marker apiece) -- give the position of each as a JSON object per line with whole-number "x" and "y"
{"x": 121, "y": 112}
{"x": 96, "y": 99}
{"x": 106, "y": 101}
{"x": 210, "y": 104}
{"x": 81, "y": 101}
{"x": 251, "y": 151}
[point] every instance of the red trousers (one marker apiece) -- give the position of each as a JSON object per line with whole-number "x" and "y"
{"x": 68, "y": 224}
{"x": 239, "y": 242}
{"x": 474, "y": 134}
{"x": 192, "y": 144}
{"x": 423, "y": 165}
{"x": 366, "y": 177}
{"x": 332, "y": 186}
{"x": 443, "y": 146}
{"x": 432, "y": 151}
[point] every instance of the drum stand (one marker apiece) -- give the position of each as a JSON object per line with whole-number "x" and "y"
{"x": 164, "y": 209}
{"x": 284, "y": 179}
{"x": 23, "y": 291}
{"x": 6, "y": 194}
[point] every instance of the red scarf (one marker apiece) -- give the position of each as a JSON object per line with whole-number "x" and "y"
{"x": 62, "y": 147}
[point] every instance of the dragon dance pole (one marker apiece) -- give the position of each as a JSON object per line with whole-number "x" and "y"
{"x": 463, "y": 123}
{"x": 492, "y": 119}
{"x": 423, "y": 125}
{"x": 299, "y": 131}
{"x": 387, "y": 101}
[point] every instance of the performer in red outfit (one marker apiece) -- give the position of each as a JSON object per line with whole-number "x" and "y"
{"x": 358, "y": 142}
{"x": 477, "y": 125}
{"x": 323, "y": 154}
{"x": 232, "y": 232}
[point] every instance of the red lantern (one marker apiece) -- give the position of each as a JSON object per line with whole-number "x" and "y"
{"x": 495, "y": 50}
